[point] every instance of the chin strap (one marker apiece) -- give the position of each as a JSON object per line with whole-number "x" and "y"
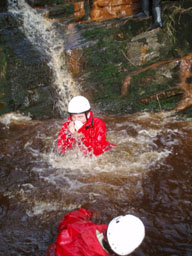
{"x": 108, "y": 248}
{"x": 90, "y": 125}
{"x": 86, "y": 114}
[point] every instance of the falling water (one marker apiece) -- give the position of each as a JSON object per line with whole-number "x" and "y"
{"x": 43, "y": 34}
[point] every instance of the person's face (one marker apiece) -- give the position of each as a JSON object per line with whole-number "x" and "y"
{"x": 79, "y": 117}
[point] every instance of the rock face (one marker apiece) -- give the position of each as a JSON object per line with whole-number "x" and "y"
{"x": 117, "y": 63}
{"x": 128, "y": 68}
{"x": 3, "y": 5}
{"x": 106, "y": 9}
{"x": 79, "y": 10}
{"x": 145, "y": 48}
{"x": 25, "y": 78}
{"x": 42, "y": 3}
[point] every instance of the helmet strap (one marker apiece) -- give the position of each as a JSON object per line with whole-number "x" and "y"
{"x": 86, "y": 114}
{"x": 108, "y": 248}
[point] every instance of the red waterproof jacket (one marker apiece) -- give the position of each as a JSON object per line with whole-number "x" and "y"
{"x": 77, "y": 236}
{"x": 93, "y": 137}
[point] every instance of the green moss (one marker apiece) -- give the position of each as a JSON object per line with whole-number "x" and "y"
{"x": 107, "y": 65}
{"x": 96, "y": 33}
{"x": 5, "y": 103}
{"x": 54, "y": 2}
{"x": 59, "y": 11}
{"x": 177, "y": 19}
{"x": 23, "y": 83}
{"x": 133, "y": 27}
{"x": 103, "y": 62}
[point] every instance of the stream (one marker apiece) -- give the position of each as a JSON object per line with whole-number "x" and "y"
{"x": 148, "y": 173}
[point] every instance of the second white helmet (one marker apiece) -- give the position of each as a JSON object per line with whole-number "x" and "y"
{"x": 125, "y": 234}
{"x": 78, "y": 105}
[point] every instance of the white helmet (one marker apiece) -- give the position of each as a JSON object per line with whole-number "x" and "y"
{"x": 78, "y": 105}
{"x": 125, "y": 234}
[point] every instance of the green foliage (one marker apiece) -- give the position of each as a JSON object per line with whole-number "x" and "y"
{"x": 133, "y": 27}
{"x": 176, "y": 22}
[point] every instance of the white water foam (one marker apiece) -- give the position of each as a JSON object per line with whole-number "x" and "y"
{"x": 131, "y": 155}
{"x": 134, "y": 154}
{"x": 14, "y": 117}
{"x": 118, "y": 173}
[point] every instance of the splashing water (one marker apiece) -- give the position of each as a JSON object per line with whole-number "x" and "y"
{"x": 148, "y": 173}
{"x": 43, "y": 34}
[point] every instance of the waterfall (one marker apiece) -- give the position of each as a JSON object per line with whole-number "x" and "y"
{"x": 43, "y": 35}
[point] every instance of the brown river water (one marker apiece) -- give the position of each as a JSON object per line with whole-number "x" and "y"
{"x": 148, "y": 174}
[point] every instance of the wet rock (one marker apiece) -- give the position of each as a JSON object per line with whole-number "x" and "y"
{"x": 146, "y": 47}
{"x": 36, "y": 2}
{"x": 42, "y": 3}
{"x": 164, "y": 80}
{"x": 79, "y": 10}
{"x": 103, "y": 9}
{"x": 134, "y": 68}
{"x": 25, "y": 78}
{"x": 75, "y": 61}
{"x": 3, "y": 5}
{"x": 117, "y": 62}
{"x": 60, "y": 11}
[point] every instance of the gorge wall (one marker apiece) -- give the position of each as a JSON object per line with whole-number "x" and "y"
{"x": 116, "y": 62}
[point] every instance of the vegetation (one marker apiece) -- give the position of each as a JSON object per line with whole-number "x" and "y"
{"x": 3, "y": 69}
{"x": 107, "y": 63}
{"x": 175, "y": 19}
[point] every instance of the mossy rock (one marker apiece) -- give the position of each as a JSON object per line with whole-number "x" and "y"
{"x": 46, "y": 2}
{"x": 59, "y": 11}
{"x": 25, "y": 81}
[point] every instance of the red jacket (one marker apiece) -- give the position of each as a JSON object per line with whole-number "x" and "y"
{"x": 77, "y": 236}
{"x": 93, "y": 137}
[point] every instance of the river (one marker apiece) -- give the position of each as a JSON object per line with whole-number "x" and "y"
{"x": 148, "y": 174}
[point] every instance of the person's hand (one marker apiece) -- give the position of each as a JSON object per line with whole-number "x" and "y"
{"x": 78, "y": 125}
{"x": 71, "y": 127}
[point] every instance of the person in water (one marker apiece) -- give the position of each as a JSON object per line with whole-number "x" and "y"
{"x": 79, "y": 236}
{"x": 156, "y": 12}
{"x": 83, "y": 129}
